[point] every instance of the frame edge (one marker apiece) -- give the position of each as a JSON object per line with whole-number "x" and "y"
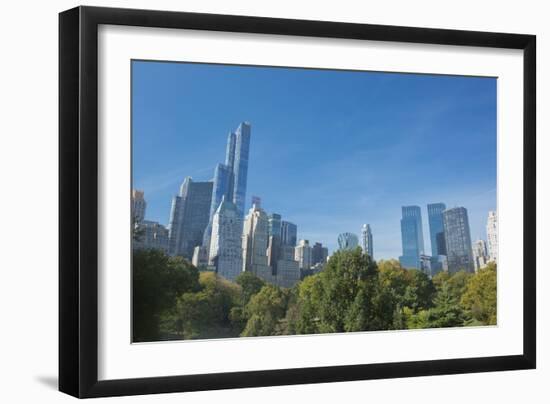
{"x": 69, "y": 82}
{"x": 78, "y": 193}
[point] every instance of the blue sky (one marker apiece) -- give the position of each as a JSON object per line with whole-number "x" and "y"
{"x": 330, "y": 150}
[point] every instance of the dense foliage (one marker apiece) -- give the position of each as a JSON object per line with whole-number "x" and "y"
{"x": 172, "y": 300}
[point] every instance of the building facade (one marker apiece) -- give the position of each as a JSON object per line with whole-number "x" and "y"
{"x": 426, "y": 264}
{"x": 319, "y": 254}
{"x": 189, "y": 217}
{"x": 437, "y": 235}
{"x": 274, "y": 227}
{"x": 254, "y": 244}
{"x": 138, "y": 206}
{"x": 437, "y": 232}
{"x": 347, "y": 241}
{"x": 289, "y": 233}
{"x": 288, "y": 269}
{"x": 240, "y": 165}
{"x": 150, "y": 235}
{"x": 200, "y": 257}
{"x": 226, "y": 243}
{"x": 492, "y": 236}
{"x": 302, "y": 254}
{"x": 458, "y": 241}
{"x": 366, "y": 240}
{"x": 412, "y": 238}
{"x": 274, "y": 240}
{"x": 481, "y": 257}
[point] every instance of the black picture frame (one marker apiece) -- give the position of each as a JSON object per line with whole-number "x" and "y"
{"x": 78, "y": 201}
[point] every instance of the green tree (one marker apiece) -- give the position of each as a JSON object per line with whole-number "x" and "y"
{"x": 445, "y": 313}
{"x": 458, "y": 283}
{"x": 343, "y": 285}
{"x": 207, "y": 313}
{"x": 394, "y": 281}
{"x": 250, "y": 285}
{"x": 303, "y": 312}
{"x": 156, "y": 282}
{"x": 480, "y": 297}
{"x": 419, "y": 292}
{"x": 440, "y": 278}
{"x": 264, "y": 311}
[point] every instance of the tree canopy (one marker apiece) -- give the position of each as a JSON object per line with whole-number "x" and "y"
{"x": 353, "y": 293}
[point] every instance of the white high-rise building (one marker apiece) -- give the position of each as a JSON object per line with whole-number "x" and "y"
{"x": 225, "y": 244}
{"x": 254, "y": 244}
{"x": 366, "y": 240}
{"x": 302, "y": 254}
{"x": 492, "y": 236}
{"x": 481, "y": 257}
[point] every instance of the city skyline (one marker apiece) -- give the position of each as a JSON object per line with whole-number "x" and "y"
{"x": 324, "y": 193}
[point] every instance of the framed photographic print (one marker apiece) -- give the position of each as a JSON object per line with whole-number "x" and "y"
{"x": 250, "y": 201}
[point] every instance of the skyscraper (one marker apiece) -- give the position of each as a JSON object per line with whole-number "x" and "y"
{"x": 457, "y": 240}
{"x": 138, "y": 206}
{"x": 200, "y": 257}
{"x": 347, "y": 241}
{"x": 226, "y": 243}
{"x": 274, "y": 241}
{"x": 230, "y": 154}
{"x": 254, "y": 244}
{"x": 288, "y": 269}
{"x": 319, "y": 254}
{"x": 412, "y": 238}
{"x": 226, "y": 183}
{"x": 492, "y": 236}
{"x": 150, "y": 235}
{"x": 302, "y": 254}
{"x": 437, "y": 232}
{"x": 437, "y": 236}
{"x": 289, "y": 233}
{"x": 189, "y": 217}
{"x": 240, "y": 168}
{"x": 366, "y": 240}
{"x": 480, "y": 254}
{"x": 274, "y": 228}
{"x": 223, "y": 179}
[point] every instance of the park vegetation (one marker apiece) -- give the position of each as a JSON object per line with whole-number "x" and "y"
{"x": 173, "y": 300}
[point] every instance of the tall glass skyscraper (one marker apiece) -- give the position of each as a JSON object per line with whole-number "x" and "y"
{"x": 366, "y": 240}
{"x": 458, "y": 241}
{"x": 412, "y": 238}
{"x": 289, "y": 233}
{"x": 274, "y": 239}
{"x": 274, "y": 225}
{"x": 221, "y": 188}
{"x": 437, "y": 232}
{"x": 230, "y": 178}
{"x": 240, "y": 165}
{"x": 189, "y": 217}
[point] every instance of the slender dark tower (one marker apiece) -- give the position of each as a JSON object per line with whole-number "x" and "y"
{"x": 240, "y": 165}
{"x": 458, "y": 240}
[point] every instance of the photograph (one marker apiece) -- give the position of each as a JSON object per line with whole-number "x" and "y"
{"x": 272, "y": 201}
